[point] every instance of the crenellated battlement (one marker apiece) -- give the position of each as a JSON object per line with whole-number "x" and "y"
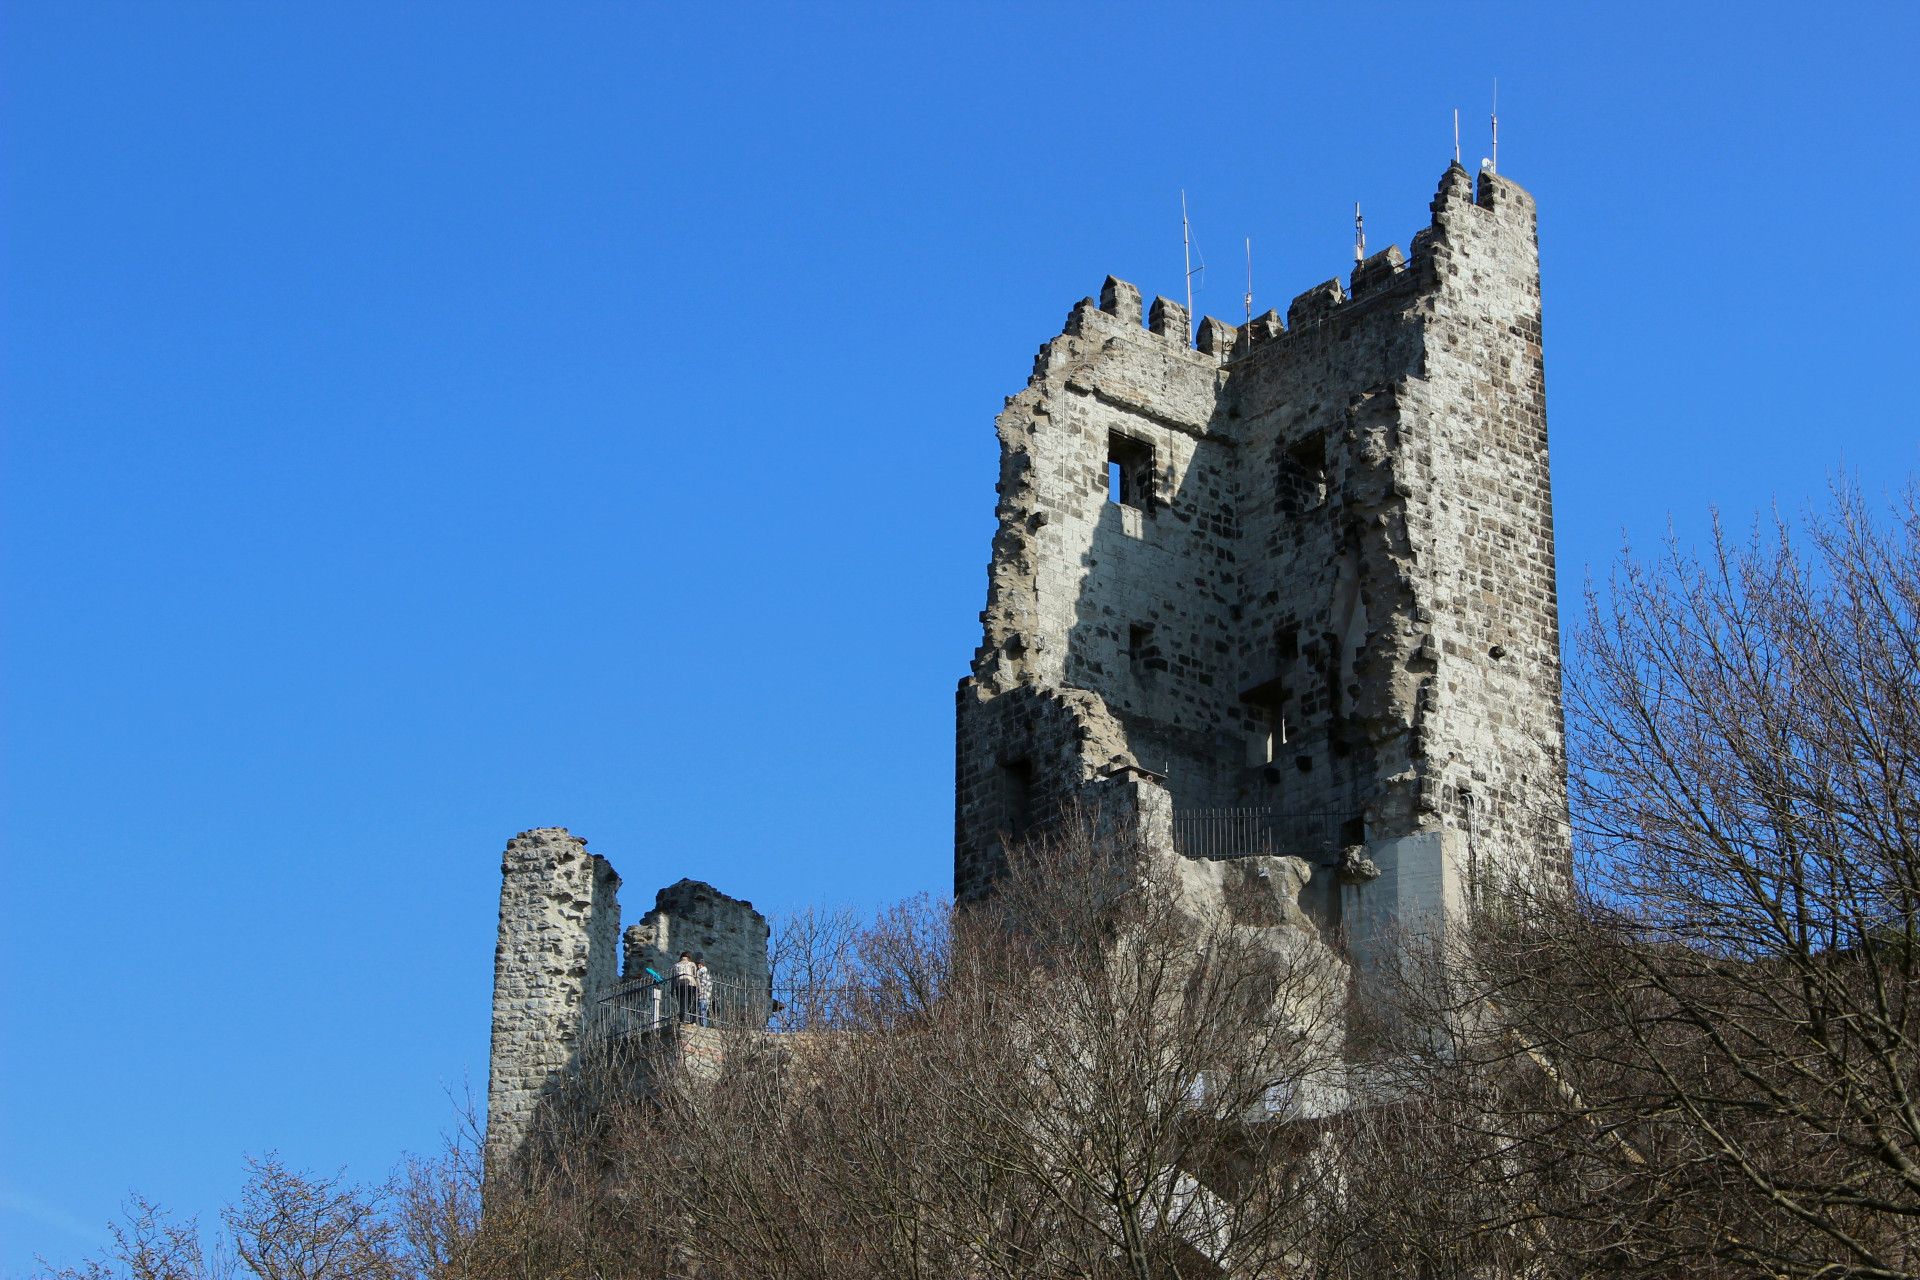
{"x": 1120, "y": 300}
{"x": 1316, "y": 303}
{"x": 1461, "y": 208}
{"x": 1376, "y": 273}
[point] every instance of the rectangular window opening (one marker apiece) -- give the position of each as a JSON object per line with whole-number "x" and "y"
{"x": 1129, "y": 472}
{"x": 1303, "y": 475}
{"x": 1140, "y": 649}
{"x": 1016, "y": 791}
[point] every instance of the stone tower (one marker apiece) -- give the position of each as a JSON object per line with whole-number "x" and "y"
{"x": 557, "y": 954}
{"x": 1293, "y": 584}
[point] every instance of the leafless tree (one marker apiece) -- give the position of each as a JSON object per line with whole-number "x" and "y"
{"x": 150, "y": 1244}
{"x": 435, "y": 1200}
{"x": 1098, "y": 1072}
{"x": 1708, "y": 1057}
{"x": 289, "y": 1225}
{"x": 811, "y": 954}
{"x": 1161, "y": 1055}
{"x": 286, "y": 1225}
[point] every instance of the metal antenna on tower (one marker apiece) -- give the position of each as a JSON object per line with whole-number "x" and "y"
{"x": 1456, "y": 135}
{"x": 1186, "y": 237}
{"x": 1495, "y": 158}
{"x": 1249, "y": 279}
{"x": 1359, "y": 234}
{"x": 1186, "y": 247}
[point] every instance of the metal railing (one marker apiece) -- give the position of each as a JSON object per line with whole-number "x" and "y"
{"x": 639, "y": 1006}
{"x": 1237, "y": 832}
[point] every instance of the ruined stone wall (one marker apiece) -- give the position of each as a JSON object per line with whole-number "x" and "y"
{"x": 1334, "y": 600}
{"x": 1400, "y": 566}
{"x": 556, "y": 954}
{"x": 1064, "y": 738}
{"x": 1129, "y": 598}
{"x": 560, "y": 1002}
{"x": 1326, "y": 575}
{"x": 727, "y": 932}
{"x": 1497, "y": 745}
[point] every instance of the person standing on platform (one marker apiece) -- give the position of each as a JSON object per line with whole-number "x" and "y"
{"x": 686, "y": 986}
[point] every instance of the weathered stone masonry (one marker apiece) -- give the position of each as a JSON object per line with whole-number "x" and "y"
{"x": 1303, "y": 570}
{"x": 556, "y": 954}
{"x": 557, "y": 968}
{"x": 696, "y": 917}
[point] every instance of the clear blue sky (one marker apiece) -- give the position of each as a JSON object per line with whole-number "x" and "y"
{"x": 427, "y": 422}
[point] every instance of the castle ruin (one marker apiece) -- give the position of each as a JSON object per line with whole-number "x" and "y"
{"x": 564, "y": 975}
{"x": 1286, "y": 590}
{"x": 1292, "y": 585}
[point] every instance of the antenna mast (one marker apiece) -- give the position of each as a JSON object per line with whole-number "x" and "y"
{"x": 1186, "y": 246}
{"x": 1359, "y": 235}
{"x": 1456, "y": 135}
{"x": 1249, "y": 279}
{"x": 1496, "y": 125}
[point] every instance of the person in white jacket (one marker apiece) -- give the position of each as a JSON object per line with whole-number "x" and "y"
{"x": 686, "y": 986}
{"x": 703, "y": 985}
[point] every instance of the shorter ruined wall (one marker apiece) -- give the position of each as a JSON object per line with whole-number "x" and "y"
{"x": 1020, "y": 759}
{"x": 725, "y": 931}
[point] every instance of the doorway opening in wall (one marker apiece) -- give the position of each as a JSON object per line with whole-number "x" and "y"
{"x": 1129, "y": 472}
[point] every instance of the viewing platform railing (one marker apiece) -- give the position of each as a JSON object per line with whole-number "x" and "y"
{"x": 644, "y": 1006}
{"x": 1238, "y": 832}
{"x": 641, "y": 1005}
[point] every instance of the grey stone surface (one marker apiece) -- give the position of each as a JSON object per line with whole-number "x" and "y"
{"x": 558, "y": 989}
{"x": 694, "y": 916}
{"x": 1326, "y": 590}
{"x": 556, "y": 954}
{"x": 1259, "y": 902}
